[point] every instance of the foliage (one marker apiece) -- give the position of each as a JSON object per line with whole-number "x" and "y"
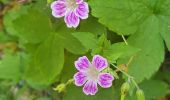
{"x": 37, "y": 51}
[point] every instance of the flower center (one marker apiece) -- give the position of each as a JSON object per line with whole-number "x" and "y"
{"x": 92, "y": 73}
{"x": 71, "y": 5}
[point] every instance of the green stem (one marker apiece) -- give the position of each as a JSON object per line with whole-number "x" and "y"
{"x": 124, "y": 40}
{"x": 126, "y": 74}
{"x": 122, "y": 97}
{"x": 69, "y": 81}
{"x": 121, "y": 71}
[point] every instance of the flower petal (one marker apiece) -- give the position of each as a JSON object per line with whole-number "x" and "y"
{"x": 79, "y": 1}
{"x": 99, "y": 62}
{"x": 58, "y": 8}
{"x": 90, "y": 88}
{"x": 82, "y": 63}
{"x": 82, "y": 10}
{"x": 105, "y": 80}
{"x": 80, "y": 78}
{"x": 71, "y": 20}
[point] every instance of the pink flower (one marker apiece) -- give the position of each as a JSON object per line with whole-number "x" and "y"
{"x": 91, "y": 74}
{"x": 72, "y": 10}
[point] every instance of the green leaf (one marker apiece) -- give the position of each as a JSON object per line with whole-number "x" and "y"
{"x": 76, "y": 93}
{"x": 154, "y": 89}
{"x": 10, "y": 66}
{"x": 91, "y": 25}
{"x": 68, "y": 41}
{"x": 119, "y": 50}
{"x": 102, "y": 44}
{"x": 68, "y": 69}
{"x": 48, "y": 58}
{"x": 127, "y": 16}
{"x": 121, "y": 16}
{"x": 149, "y": 59}
{"x": 166, "y": 36}
{"x": 11, "y": 16}
{"x": 87, "y": 39}
{"x": 47, "y": 62}
{"x": 145, "y": 20}
{"x": 35, "y": 29}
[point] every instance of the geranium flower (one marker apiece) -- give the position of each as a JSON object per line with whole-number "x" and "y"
{"x": 72, "y": 10}
{"x": 91, "y": 74}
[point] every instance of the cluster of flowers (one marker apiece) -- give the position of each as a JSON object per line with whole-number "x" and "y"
{"x": 89, "y": 74}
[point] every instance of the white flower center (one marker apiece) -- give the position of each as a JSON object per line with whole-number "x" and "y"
{"x": 71, "y": 5}
{"x": 92, "y": 73}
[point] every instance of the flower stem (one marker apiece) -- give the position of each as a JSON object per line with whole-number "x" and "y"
{"x": 122, "y": 97}
{"x": 121, "y": 71}
{"x": 126, "y": 74}
{"x": 69, "y": 81}
{"x": 124, "y": 40}
{"x": 131, "y": 58}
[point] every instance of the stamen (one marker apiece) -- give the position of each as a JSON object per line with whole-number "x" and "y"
{"x": 71, "y": 5}
{"x": 92, "y": 73}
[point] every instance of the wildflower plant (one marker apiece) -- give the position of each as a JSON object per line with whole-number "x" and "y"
{"x": 84, "y": 49}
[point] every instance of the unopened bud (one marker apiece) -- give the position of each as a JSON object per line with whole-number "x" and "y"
{"x": 60, "y": 88}
{"x": 140, "y": 94}
{"x": 125, "y": 88}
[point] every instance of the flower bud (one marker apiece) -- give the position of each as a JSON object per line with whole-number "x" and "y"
{"x": 125, "y": 88}
{"x": 140, "y": 95}
{"x": 60, "y": 88}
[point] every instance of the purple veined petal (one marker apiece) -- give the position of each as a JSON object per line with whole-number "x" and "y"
{"x": 90, "y": 88}
{"x": 99, "y": 62}
{"x": 71, "y": 20}
{"x": 82, "y": 63}
{"x": 58, "y": 9}
{"x": 62, "y": 0}
{"x": 105, "y": 80}
{"x": 82, "y": 10}
{"x": 79, "y": 1}
{"x": 57, "y": 5}
{"x": 80, "y": 78}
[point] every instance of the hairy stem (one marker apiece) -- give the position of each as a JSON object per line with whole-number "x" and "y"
{"x": 126, "y": 74}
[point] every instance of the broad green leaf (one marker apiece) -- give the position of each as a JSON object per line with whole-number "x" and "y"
{"x": 144, "y": 19}
{"x": 166, "y": 37}
{"x": 120, "y": 16}
{"x": 91, "y": 25}
{"x": 36, "y": 26}
{"x": 87, "y": 39}
{"x": 11, "y": 16}
{"x": 68, "y": 69}
{"x": 47, "y": 62}
{"x": 119, "y": 50}
{"x": 68, "y": 41}
{"x": 76, "y": 93}
{"x": 149, "y": 59}
{"x": 48, "y": 57}
{"x": 154, "y": 89}
{"x": 128, "y": 16}
{"x": 10, "y": 66}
